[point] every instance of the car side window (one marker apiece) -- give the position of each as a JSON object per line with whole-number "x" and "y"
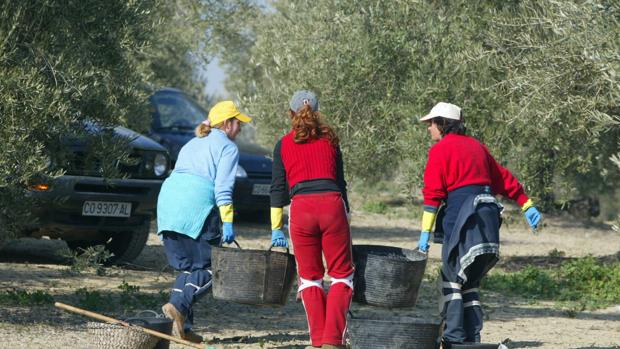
{"x": 176, "y": 111}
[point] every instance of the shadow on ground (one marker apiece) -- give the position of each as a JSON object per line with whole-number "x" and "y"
{"x": 275, "y": 337}
{"x": 523, "y": 344}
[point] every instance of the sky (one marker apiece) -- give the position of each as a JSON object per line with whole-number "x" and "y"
{"x": 215, "y": 79}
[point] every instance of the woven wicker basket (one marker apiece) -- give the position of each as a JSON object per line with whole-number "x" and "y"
{"x": 110, "y": 336}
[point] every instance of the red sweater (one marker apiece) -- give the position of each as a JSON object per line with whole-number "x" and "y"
{"x": 307, "y": 161}
{"x": 456, "y": 161}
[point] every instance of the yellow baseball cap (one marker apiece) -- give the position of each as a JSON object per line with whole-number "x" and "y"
{"x": 225, "y": 110}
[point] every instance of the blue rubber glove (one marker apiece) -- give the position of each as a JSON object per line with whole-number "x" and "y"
{"x": 533, "y": 217}
{"x": 423, "y": 242}
{"x": 278, "y": 239}
{"x": 229, "y": 233}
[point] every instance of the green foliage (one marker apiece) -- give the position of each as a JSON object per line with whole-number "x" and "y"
{"x": 58, "y": 68}
{"x": 65, "y": 64}
{"x": 179, "y": 52}
{"x": 531, "y": 282}
{"x": 129, "y": 298}
{"x": 538, "y": 81}
{"x": 25, "y": 298}
{"x": 374, "y": 206}
{"x": 589, "y": 277}
{"x": 90, "y": 258}
{"x": 93, "y": 300}
{"x": 556, "y": 253}
{"x": 583, "y": 283}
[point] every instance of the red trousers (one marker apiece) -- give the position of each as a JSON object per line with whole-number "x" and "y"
{"x": 318, "y": 226}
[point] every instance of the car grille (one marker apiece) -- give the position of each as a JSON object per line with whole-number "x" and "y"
{"x": 104, "y": 188}
{"x": 265, "y": 175}
{"x": 139, "y": 166}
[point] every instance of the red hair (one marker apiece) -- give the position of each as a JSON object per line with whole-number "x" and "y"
{"x": 308, "y": 126}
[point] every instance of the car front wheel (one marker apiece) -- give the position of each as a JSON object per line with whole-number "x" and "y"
{"x": 124, "y": 245}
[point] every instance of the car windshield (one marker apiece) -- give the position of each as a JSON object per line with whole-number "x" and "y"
{"x": 178, "y": 111}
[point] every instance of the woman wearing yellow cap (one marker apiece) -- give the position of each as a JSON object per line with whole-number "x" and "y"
{"x": 192, "y": 204}
{"x": 462, "y": 174}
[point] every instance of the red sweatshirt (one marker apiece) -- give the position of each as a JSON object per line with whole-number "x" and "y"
{"x": 458, "y": 160}
{"x": 311, "y": 167}
{"x": 307, "y": 161}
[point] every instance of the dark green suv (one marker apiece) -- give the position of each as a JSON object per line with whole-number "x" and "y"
{"x": 84, "y": 209}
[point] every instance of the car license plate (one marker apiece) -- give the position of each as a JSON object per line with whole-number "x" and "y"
{"x": 106, "y": 209}
{"x": 261, "y": 189}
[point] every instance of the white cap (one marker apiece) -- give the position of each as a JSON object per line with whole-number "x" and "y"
{"x": 444, "y": 110}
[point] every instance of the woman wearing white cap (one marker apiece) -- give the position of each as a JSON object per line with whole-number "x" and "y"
{"x": 192, "y": 204}
{"x": 462, "y": 174}
{"x": 308, "y": 174}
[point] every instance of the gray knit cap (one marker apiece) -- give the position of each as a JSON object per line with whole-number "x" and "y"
{"x": 304, "y": 97}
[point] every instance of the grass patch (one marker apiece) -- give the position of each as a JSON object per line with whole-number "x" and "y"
{"x": 93, "y": 300}
{"x": 25, "y": 298}
{"x": 373, "y": 206}
{"x": 91, "y": 258}
{"x": 582, "y": 283}
{"x": 129, "y": 298}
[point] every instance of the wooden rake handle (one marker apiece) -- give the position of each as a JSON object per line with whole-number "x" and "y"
{"x": 123, "y": 323}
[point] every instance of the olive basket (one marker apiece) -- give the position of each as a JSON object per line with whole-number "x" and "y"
{"x": 111, "y": 336}
{"x": 255, "y": 277}
{"x": 391, "y": 332}
{"x": 387, "y": 276}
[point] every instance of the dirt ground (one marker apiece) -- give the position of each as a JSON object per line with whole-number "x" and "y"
{"x": 35, "y": 265}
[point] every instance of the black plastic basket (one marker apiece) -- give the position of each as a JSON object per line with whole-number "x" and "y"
{"x": 387, "y": 276}
{"x": 252, "y": 276}
{"x": 397, "y": 332}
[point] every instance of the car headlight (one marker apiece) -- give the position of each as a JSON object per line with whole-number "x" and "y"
{"x": 160, "y": 165}
{"x": 241, "y": 172}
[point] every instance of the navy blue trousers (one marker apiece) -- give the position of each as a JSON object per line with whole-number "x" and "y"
{"x": 462, "y": 311}
{"x": 192, "y": 258}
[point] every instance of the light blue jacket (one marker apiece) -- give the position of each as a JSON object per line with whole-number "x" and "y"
{"x": 204, "y": 176}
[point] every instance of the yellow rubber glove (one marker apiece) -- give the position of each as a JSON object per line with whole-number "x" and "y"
{"x": 276, "y": 218}
{"x": 529, "y": 203}
{"x": 428, "y": 221}
{"x": 226, "y": 213}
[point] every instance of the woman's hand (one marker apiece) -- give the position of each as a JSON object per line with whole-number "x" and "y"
{"x": 278, "y": 239}
{"x": 228, "y": 232}
{"x": 423, "y": 242}
{"x": 533, "y": 217}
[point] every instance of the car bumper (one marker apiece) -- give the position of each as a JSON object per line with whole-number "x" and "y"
{"x": 246, "y": 197}
{"x": 59, "y": 209}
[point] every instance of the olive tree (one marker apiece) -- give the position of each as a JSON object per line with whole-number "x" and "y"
{"x": 65, "y": 65}
{"x": 537, "y": 80}
{"x": 560, "y": 86}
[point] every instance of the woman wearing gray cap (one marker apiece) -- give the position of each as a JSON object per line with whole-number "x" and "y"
{"x": 308, "y": 174}
{"x": 462, "y": 174}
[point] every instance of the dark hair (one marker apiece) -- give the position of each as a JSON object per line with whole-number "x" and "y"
{"x": 447, "y": 126}
{"x": 307, "y": 125}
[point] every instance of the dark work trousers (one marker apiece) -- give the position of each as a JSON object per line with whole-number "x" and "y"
{"x": 462, "y": 311}
{"x": 192, "y": 258}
